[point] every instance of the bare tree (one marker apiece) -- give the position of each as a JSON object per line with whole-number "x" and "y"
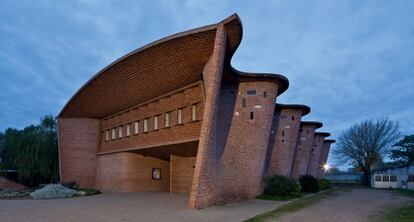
{"x": 366, "y": 143}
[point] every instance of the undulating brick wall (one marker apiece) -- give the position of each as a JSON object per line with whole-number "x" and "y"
{"x": 234, "y": 139}
{"x": 285, "y": 141}
{"x": 181, "y": 174}
{"x": 324, "y": 156}
{"x": 78, "y": 144}
{"x": 131, "y": 172}
{"x": 303, "y": 151}
{"x": 314, "y": 164}
{"x": 205, "y": 187}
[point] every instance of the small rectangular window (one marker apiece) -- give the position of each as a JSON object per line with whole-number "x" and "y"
{"x": 167, "y": 120}
{"x": 410, "y": 178}
{"x": 251, "y": 115}
{"x": 136, "y": 127}
{"x": 307, "y": 131}
{"x": 293, "y": 118}
{"x": 155, "y": 122}
{"x": 378, "y": 178}
{"x": 107, "y": 135}
{"x": 120, "y": 132}
{"x": 113, "y": 134}
{"x": 244, "y": 103}
{"x": 283, "y": 133}
{"x": 128, "y": 129}
{"x": 193, "y": 113}
{"x": 393, "y": 178}
{"x": 251, "y": 92}
{"x": 179, "y": 116}
{"x": 264, "y": 94}
{"x": 385, "y": 178}
{"x": 145, "y": 125}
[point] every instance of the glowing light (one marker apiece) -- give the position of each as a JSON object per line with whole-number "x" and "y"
{"x": 326, "y": 167}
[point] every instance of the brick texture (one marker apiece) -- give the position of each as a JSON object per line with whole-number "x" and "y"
{"x": 314, "y": 164}
{"x": 181, "y": 174}
{"x": 285, "y": 142}
{"x": 324, "y": 156}
{"x": 303, "y": 151}
{"x": 131, "y": 172}
{"x": 78, "y": 145}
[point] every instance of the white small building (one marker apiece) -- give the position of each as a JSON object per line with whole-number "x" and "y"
{"x": 402, "y": 177}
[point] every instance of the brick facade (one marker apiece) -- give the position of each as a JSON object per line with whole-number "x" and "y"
{"x": 288, "y": 118}
{"x": 78, "y": 145}
{"x": 324, "y": 156}
{"x": 314, "y": 164}
{"x": 178, "y": 106}
{"x": 181, "y": 174}
{"x": 304, "y": 148}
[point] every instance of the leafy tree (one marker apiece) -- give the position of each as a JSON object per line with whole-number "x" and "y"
{"x": 366, "y": 143}
{"x": 33, "y": 152}
{"x": 403, "y": 153}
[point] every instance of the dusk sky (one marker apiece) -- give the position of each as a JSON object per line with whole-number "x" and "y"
{"x": 348, "y": 60}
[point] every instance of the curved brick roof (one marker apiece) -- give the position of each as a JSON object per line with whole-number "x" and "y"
{"x": 305, "y": 109}
{"x": 317, "y": 124}
{"x": 329, "y": 141}
{"x": 157, "y": 68}
{"x": 324, "y": 134}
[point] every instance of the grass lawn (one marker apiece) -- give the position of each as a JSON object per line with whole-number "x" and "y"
{"x": 402, "y": 213}
{"x": 277, "y": 198}
{"x": 296, "y": 205}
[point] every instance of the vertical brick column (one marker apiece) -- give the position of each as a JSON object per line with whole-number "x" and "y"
{"x": 314, "y": 165}
{"x": 78, "y": 144}
{"x": 304, "y": 148}
{"x": 324, "y": 156}
{"x": 204, "y": 190}
{"x": 285, "y": 142}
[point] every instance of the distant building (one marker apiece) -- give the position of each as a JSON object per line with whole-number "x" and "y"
{"x": 396, "y": 177}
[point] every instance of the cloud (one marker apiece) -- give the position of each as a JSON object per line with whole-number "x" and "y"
{"x": 348, "y": 60}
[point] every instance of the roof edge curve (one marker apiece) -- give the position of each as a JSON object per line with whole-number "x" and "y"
{"x": 304, "y": 108}
{"x": 310, "y": 123}
{"x": 232, "y": 20}
{"x": 324, "y": 134}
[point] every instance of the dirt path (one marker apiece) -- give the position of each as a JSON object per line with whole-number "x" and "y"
{"x": 360, "y": 204}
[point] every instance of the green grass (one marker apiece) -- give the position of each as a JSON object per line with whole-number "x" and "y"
{"x": 295, "y": 205}
{"x": 277, "y": 198}
{"x": 403, "y": 213}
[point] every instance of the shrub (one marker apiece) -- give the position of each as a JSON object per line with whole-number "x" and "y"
{"x": 88, "y": 191}
{"x": 281, "y": 185}
{"x": 324, "y": 184}
{"x": 70, "y": 185}
{"x": 309, "y": 183}
{"x": 54, "y": 191}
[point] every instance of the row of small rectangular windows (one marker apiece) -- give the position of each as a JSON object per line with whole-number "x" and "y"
{"x": 111, "y": 134}
{"x": 386, "y": 178}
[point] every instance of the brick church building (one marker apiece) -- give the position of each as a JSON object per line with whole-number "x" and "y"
{"x": 175, "y": 116}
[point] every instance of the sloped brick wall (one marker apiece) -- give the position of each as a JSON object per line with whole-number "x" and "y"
{"x": 314, "y": 159}
{"x": 303, "y": 151}
{"x": 285, "y": 143}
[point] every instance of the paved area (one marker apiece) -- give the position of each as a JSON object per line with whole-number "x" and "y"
{"x": 127, "y": 207}
{"x": 357, "y": 205}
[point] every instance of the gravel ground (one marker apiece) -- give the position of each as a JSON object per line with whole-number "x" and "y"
{"x": 127, "y": 207}
{"x": 360, "y": 204}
